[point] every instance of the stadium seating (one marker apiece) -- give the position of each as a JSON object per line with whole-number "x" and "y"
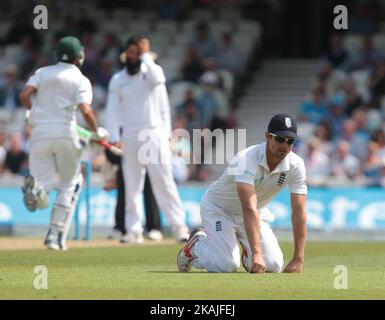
{"x": 168, "y": 40}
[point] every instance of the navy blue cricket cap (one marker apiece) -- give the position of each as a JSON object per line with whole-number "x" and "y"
{"x": 283, "y": 125}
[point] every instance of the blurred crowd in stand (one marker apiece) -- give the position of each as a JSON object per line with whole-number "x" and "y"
{"x": 203, "y": 80}
{"x": 342, "y": 121}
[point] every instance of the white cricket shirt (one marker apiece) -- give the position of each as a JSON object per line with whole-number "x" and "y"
{"x": 138, "y": 101}
{"x": 222, "y": 194}
{"x": 60, "y": 89}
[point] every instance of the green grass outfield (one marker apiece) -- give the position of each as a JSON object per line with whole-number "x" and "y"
{"x": 149, "y": 272}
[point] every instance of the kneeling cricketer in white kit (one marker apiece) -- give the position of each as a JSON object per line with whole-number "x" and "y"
{"x": 234, "y": 209}
{"x": 52, "y": 95}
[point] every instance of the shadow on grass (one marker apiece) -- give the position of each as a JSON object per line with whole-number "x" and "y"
{"x": 198, "y": 272}
{"x": 176, "y": 271}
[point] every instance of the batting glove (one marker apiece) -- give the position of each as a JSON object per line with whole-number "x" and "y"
{"x": 27, "y": 118}
{"x": 100, "y": 135}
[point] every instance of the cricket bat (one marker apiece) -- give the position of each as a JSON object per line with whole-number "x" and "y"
{"x": 85, "y": 134}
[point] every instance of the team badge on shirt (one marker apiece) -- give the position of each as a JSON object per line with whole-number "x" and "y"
{"x": 281, "y": 179}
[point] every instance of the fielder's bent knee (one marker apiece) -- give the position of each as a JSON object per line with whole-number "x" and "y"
{"x": 274, "y": 265}
{"x": 228, "y": 265}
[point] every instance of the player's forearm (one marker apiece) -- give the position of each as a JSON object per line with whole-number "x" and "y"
{"x": 156, "y": 75}
{"x": 25, "y": 96}
{"x": 299, "y": 233}
{"x": 26, "y": 103}
{"x": 252, "y": 228}
{"x": 89, "y": 117}
{"x": 91, "y": 121}
{"x": 167, "y": 124}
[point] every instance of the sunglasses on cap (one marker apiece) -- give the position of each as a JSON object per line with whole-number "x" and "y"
{"x": 280, "y": 139}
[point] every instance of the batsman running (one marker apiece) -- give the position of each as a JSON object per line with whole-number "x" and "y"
{"x": 234, "y": 208}
{"x": 52, "y": 94}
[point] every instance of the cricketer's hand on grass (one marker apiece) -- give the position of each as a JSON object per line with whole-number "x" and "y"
{"x": 294, "y": 266}
{"x": 298, "y": 208}
{"x": 258, "y": 264}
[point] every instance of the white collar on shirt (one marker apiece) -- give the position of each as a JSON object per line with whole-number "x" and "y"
{"x": 283, "y": 166}
{"x": 66, "y": 65}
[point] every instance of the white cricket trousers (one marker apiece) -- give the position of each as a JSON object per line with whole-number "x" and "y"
{"x": 219, "y": 251}
{"x": 52, "y": 157}
{"x": 160, "y": 174}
